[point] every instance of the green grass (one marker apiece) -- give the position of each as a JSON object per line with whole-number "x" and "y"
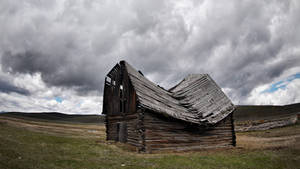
{"x": 23, "y": 148}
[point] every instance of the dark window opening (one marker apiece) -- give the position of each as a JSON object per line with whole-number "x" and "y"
{"x": 121, "y": 99}
{"x": 124, "y": 106}
{"x": 121, "y": 91}
{"x": 107, "y": 80}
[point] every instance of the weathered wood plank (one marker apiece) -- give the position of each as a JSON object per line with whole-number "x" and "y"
{"x": 164, "y": 133}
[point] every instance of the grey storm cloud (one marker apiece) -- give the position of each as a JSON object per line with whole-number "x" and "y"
{"x": 55, "y": 70}
{"x": 242, "y": 44}
{"x": 7, "y": 87}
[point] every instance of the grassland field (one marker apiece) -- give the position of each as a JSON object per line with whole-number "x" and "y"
{"x": 32, "y": 143}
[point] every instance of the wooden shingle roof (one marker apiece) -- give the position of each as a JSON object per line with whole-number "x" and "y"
{"x": 196, "y": 99}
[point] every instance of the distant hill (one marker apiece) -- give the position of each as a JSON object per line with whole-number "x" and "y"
{"x": 253, "y": 112}
{"x": 241, "y": 114}
{"x": 251, "y": 117}
{"x": 56, "y": 117}
{"x": 293, "y": 108}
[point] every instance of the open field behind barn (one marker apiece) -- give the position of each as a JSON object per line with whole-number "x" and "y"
{"x": 29, "y": 143}
{"x": 258, "y": 112}
{"x": 56, "y": 117}
{"x": 264, "y": 117}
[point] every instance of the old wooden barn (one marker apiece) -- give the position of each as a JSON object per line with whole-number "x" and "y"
{"x": 194, "y": 114}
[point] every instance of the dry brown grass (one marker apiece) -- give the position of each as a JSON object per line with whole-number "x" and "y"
{"x": 74, "y": 130}
{"x": 285, "y": 137}
{"x": 35, "y": 144}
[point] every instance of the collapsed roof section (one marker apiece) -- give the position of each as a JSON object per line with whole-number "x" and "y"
{"x": 196, "y": 99}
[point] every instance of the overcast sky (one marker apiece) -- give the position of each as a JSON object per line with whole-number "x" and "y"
{"x": 54, "y": 55}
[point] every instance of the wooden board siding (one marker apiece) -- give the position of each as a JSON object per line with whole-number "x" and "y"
{"x": 129, "y": 93}
{"x": 163, "y": 133}
{"x": 112, "y": 92}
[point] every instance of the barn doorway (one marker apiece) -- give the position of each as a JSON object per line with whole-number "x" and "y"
{"x": 122, "y": 132}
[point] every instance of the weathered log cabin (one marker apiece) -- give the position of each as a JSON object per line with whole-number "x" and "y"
{"x": 195, "y": 114}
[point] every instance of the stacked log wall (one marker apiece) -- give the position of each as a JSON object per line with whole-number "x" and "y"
{"x": 165, "y": 134}
{"x": 131, "y": 120}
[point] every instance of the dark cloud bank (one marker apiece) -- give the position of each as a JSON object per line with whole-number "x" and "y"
{"x": 55, "y": 70}
{"x": 242, "y": 44}
{"x": 7, "y": 87}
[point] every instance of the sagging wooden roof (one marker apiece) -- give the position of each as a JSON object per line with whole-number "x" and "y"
{"x": 196, "y": 99}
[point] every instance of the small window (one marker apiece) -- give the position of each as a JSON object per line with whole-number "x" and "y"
{"x": 122, "y": 99}
{"x": 121, "y": 91}
{"x": 107, "y": 80}
{"x": 113, "y": 82}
